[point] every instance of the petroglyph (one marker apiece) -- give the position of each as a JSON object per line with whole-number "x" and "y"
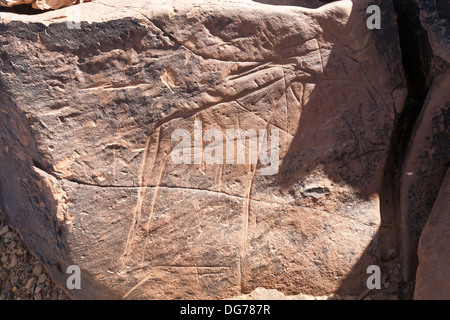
{"x": 96, "y": 107}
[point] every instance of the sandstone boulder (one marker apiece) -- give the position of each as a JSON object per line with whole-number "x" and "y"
{"x": 90, "y": 119}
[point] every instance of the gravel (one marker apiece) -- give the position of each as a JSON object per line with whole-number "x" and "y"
{"x": 22, "y": 276}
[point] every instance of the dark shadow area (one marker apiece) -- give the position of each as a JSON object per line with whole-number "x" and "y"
{"x": 348, "y": 154}
{"x": 414, "y": 52}
{"x": 312, "y": 4}
{"x": 26, "y": 9}
{"x": 419, "y": 63}
{"x": 397, "y": 260}
{"x": 359, "y": 139}
{"x": 443, "y": 8}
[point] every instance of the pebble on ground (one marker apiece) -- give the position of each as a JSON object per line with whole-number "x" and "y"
{"x": 22, "y": 276}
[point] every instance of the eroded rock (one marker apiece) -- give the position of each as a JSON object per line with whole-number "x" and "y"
{"x": 87, "y": 120}
{"x": 427, "y": 156}
{"x": 42, "y": 4}
{"x": 432, "y": 282}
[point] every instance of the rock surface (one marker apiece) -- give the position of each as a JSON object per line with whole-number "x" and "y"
{"x": 42, "y": 4}
{"x": 433, "y": 282}
{"x": 87, "y": 117}
{"x": 427, "y": 157}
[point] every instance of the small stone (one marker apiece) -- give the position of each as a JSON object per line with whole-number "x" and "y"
{"x": 3, "y": 275}
{"x": 13, "y": 261}
{"x": 19, "y": 252}
{"x": 393, "y": 288}
{"x": 4, "y": 230}
{"x": 30, "y": 283}
{"x": 2, "y": 297}
{"x": 14, "y": 280}
{"x": 4, "y": 259}
{"x": 62, "y": 296}
{"x": 38, "y": 297}
{"x": 37, "y": 290}
{"x": 37, "y": 270}
{"x": 386, "y": 284}
{"x": 9, "y": 235}
{"x": 28, "y": 268}
{"x": 12, "y": 245}
{"x": 389, "y": 254}
{"x": 14, "y": 289}
{"x": 42, "y": 278}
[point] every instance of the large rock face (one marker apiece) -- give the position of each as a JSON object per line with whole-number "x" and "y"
{"x": 91, "y": 118}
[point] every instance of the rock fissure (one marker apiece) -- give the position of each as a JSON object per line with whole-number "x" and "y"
{"x": 419, "y": 63}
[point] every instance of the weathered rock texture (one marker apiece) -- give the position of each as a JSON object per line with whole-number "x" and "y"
{"x": 42, "y": 4}
{"x": 427, "y": 152}
{"x": 87, "y": 116}
{"x": 433, "y": 281}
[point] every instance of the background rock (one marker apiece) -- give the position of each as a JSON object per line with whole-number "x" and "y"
{"x": 87, "y": 115}
{"x": 434, "y": 250}
{"x": 41, "y": 4}
{"x": 426, "y": 155}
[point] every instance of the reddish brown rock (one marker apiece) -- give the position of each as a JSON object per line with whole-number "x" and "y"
{"x": 427, "y": 156}
{"x": 87, "y": 118}
{"x": 432, "y": 281}
{"x": 10, "y": 3}
{"x": 42, "y": 4}
{"x": 426, "y": 163}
